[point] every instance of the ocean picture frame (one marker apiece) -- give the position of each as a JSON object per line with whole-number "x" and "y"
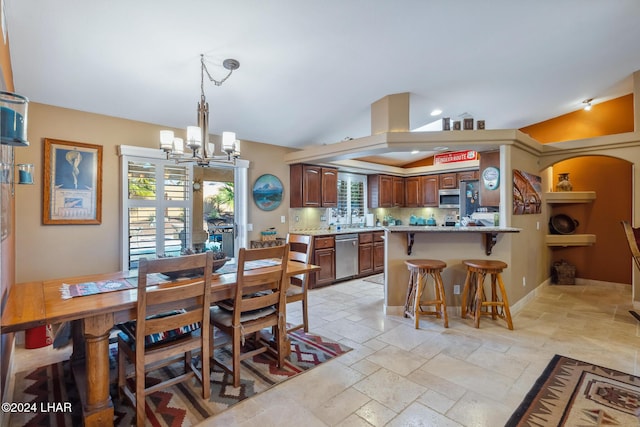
{"x": 267, "y": 192}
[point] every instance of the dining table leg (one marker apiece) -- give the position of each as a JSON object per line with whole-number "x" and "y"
{"x": 98, "y": 407}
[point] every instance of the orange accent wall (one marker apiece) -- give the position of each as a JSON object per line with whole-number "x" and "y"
{"x": 607, "y": 118}
{"x": 609, "y": 177}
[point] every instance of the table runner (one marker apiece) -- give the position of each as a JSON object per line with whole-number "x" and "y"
{"x": 249, "y": 265}
{"x": 92, "y": 288}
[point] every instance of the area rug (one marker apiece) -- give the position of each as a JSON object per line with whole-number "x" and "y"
{"x": 180, "y": 405}
{"x": 377, "y": 278}
{"x": 574, "y": 393}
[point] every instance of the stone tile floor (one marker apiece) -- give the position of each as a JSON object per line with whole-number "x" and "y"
{"x": 461, "y": 376}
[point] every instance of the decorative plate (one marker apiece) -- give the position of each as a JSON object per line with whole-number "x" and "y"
{"x": 267, "y": 192}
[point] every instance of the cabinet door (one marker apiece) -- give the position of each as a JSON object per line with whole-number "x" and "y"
{"x": 429, "y": 190}
{"x": 398, "y": 191}
{"x": 466, "y": 175}
{"x": 448, "y": 180}
{"x": 329, "y": 187}
{"x": 386, "y": 191}
{"x": 311, "y": 186}
{"x": 412, "y": 192}
{"x": 295, "y": 186}
{"x": 365, "y": 258}
{"x": 378, "y": 257}
{"x": 326, "y": 260}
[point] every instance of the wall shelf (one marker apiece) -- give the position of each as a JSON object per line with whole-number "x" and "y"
{"x": 570, "y": 197}
{"x": 570, "y": 239}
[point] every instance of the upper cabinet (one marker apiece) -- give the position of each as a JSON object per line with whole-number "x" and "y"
{"x": 313, "y": 186}
{"x": 466, "y": 175}
{"x": 429, "y": 185}
{"x": 412, "y": 191}
{"x": 385, "y": 191}
{"x": 448, "y": 180}
{"x": 329, "y": 187}
{"x": 452, "y": 180}
{"x": 398, "y": 191}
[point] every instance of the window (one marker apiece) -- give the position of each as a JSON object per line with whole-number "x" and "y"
{"x": 156, "y": 208}
{"x": 351, "y": 198}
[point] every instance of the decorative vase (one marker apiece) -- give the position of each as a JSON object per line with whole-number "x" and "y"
{"x": 563, "y": 183}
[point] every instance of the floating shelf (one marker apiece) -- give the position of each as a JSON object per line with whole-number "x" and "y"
{"x": 570, "y": 197}
{"x": 570, "y": 239}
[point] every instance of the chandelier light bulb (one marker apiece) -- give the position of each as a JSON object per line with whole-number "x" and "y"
{"x": 194, "y": 137}
{"x": 178, "y": 146}
{"x": 228, "y": 141}
{"x": 166, "y": 140}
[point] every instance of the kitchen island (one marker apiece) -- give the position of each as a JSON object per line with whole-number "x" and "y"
{"x": 449, "y": 244}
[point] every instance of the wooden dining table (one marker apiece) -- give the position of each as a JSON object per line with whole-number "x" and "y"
{"x": 38, "y": 303}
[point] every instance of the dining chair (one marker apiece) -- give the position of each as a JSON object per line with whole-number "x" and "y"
{"x": 633, "y": 238}
{"x": 172, "y": 321}
{"x": 259, "y": 303}
{"x": 300, "y": 247}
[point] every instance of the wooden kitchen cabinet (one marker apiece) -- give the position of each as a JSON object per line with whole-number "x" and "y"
{"x": 380, "y": 191}
{"x": 365, "y": 253}
{"x": 452, "y": 180}
{"x": 412, "y": 192}
{"x": 385, "y": 191}
{"x": 429, "y": 185}
{"x": 378, "y": 251}
{"x": 324, "y": 256}
{"x": 313, "y": 186}
{"x": 398, "y": 191}
{"x": 329, "y": 187}
{"x": 466, "y": 175}
{"x": 448, "y": 181}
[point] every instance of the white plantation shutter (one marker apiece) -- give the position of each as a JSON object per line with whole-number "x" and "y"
{"x": 157, "y": 205}
{"x": 351, "y": 196}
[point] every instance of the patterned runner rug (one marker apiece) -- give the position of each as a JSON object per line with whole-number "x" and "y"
{"x": 574, "y": 393}
{"x": 180, "y": 405}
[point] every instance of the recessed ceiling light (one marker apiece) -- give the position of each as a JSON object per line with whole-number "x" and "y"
{"x": 415, "y": 152}
{"x": 440, "y": 148}
{"x": 436, "y": 112}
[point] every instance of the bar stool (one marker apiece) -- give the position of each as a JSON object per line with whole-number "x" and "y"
{"x": 476, "y": 272}
{"x": 419, "y": 272}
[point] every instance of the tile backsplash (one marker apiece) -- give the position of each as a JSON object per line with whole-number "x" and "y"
{"x": 301, "y": 219}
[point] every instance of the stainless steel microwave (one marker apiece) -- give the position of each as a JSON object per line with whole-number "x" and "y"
{"x": 449, "y": 199}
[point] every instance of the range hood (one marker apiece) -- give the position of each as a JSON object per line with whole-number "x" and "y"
{"x": 390, "y": 134}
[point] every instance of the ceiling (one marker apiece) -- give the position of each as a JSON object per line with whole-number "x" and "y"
{"x": 309, "y": 71}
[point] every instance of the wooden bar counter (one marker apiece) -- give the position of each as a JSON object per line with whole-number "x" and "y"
{"x": 449, "y": 244}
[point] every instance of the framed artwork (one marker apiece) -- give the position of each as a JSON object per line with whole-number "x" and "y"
{"x": 72, "y": 183}
{"x": 267, "y": 192}
{"x": 527, "y": 193}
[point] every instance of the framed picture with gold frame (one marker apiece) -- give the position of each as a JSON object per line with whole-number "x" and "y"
{"x": 72, "y": 183}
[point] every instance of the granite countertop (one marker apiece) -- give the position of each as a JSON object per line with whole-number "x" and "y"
{"x": 333, "y": 231}
{"x": 445, "y": 229}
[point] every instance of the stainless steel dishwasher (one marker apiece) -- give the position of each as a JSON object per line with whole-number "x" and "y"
{"x": 346, "y": 256}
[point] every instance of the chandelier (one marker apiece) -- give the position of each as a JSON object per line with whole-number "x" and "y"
{"x": 202, "y": 151}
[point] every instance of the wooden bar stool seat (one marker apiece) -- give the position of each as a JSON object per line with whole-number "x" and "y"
{"x": 474, "y": 301}
{"x": 419, "y": 272}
